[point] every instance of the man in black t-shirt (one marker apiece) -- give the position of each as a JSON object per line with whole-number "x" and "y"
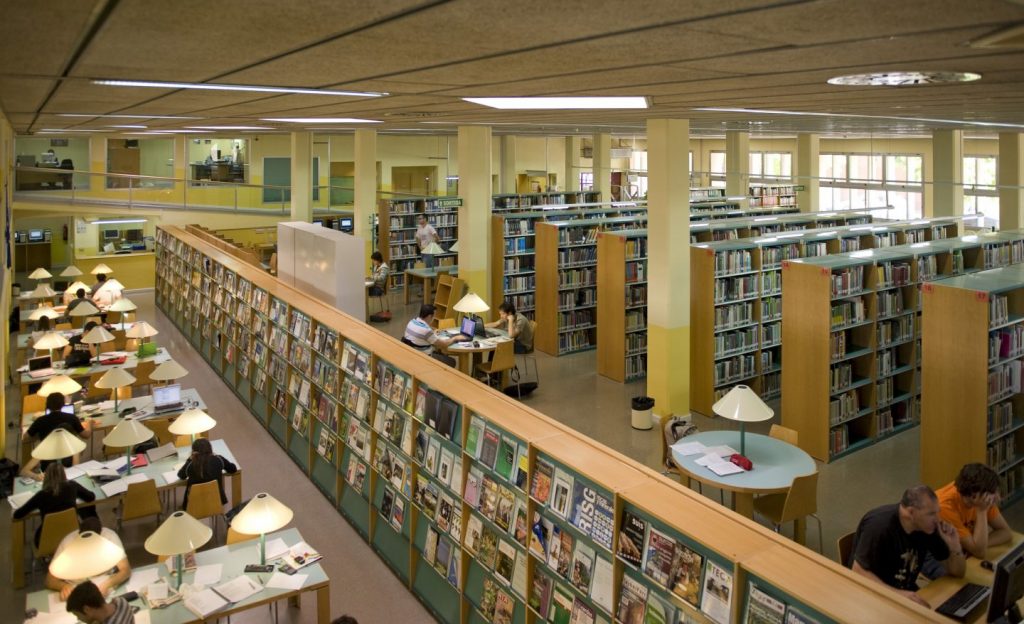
{"x": 892, "y": 541}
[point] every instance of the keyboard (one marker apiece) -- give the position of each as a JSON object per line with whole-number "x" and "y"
{"x": 964, "y": 601}
{"x": 168, "y": 407}
{"x": 492, "y": 333}
{"x": 42, "y": 372}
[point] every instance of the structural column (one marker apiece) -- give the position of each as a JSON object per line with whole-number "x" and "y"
{"x": 737, "y": 164}
{"x": 302, "y": 176}
{"x": 572, "y": 163}
{"x": 97, "y": 161}
{"x": 947, "y": 173}
{"x": 603, "y": 165}
{"x": 475, "y": 213}
{"x": 364, "y": 193}
{"x": 180, "y": 168}
{"x": 508, "y": 164}
{"x": 808, "y": 149}
{"x": 668, "y": 263}
{"x": 1010, "y": 178}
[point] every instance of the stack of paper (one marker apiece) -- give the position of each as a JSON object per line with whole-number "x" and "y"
{"x": 19, "y": 499}
{"x": 688, "y": 448}
{"x": 238, "y": 588}
{"x": 276, "y": 548}
{"x": 289, "y": 582}
{"x": 718, "y": 465}
{"x": 120, "y": 486}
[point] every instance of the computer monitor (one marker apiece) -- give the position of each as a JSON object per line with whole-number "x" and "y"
{"x": 68, "y": 408}
{"x": 133, "y": 236}
{"x": 346, "y": 225}
{"x": 319, "y": 222}
{"x": 111, "y": 234}
{"x": 39, "y": 363}
{"x": 1008, "y": 587}
{"x": 108, "y": 248}
{"x": 35, "y": 236}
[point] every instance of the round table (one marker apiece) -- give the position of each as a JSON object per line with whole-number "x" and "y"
{"x": 465, "y": 352}
{"x": 776, "y": 463}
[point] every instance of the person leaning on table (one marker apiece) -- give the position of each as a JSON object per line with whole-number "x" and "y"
{"x": 77, "y": 352}
{"x": 971, "y": 504}
{"x": 87, "y": 603}
{"x": 56, "y": 495}
{"x": 892, "y": 542}
{"x": 517, "y": 326}
{"x": 105, "y": 582}
{"x": 204, "y": 466}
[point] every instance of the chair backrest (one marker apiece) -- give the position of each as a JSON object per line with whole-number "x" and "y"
{"x": 32, "y": 403}
{"x": 673, "y": 429}
{"x": 123, "y": 394}
{"x": 504, "y": 357}
{"x": 802, "y": 499}
{"x": 445, "y": 323}
{"x": 419, "y": 264}
{"x": 204, "y": 500}
{"x": 56, "y": 526}
{"x": 62, "y": 326}
{"x": 142, "y": 372}
{"x": 141, "y": 500}
{"x": 533, "y": 332}
{"x": 91, "y": 391}
{"x": 185, "y": 441}
{"x": 159, "y": 426}
{"x": 235, "y": 536}
{"x": 844, "y": 547}
{"x": 787, "y": 435}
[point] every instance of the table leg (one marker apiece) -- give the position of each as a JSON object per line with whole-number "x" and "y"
{"x": 466, "y": 363}
{"x": 18, "y": 553}
{"x": 408, "y": 287}
{"x": 236, "y": 489}
{"x": 800, "y": 531}
{"x": 323, "y": 605}
{"x": 428, "y": 289}
{"x": 744, "y": 504}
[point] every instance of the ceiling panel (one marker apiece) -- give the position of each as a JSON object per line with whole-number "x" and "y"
{"x": 39, "y": 37}
{"x": 23, "y": 95}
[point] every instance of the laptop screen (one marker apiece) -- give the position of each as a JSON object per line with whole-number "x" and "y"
{"x": 39, "y": 363}
{"x": 468, "y": 326}
{"x": 164, "y": 395}
{"x": 69, "y": 409}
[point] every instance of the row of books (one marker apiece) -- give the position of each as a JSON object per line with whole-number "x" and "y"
{"x": 770, "y": 358}
{"x": 887, "y": 361}
{"x": 771, "y": 335}
{"x": 576, "y": 340}
{"x": 636, "y": 343}
{"x": 1000, "y": 418}
{"x": 894, "y": 331}
{"x": 730, "y": 289}
{"x": 772, "y": 256}
{"x": 1006, "y": 343}
{"x": 998, "y": 310}
{"x": 580, "y": 298}
{"x": 843, "y": 407}
{"x": 895, "y": 415}
{"x": 848, "y": 312}
{"x": 771, "y": 283}
{"x": 1002, "y": 452}
{"x": 577, "y": 278}
{"x": 636, "y": 248}
{"x": 636, "y": 294}
{"x": 728, "y": 342}
{"x": 518, "y": 264}
{"x": 636, "y": 271}
{"x": 517, "y": 283}
{"x": 518, "y": 246}
{"x": 524, "y": 303}
{"x": 580, "y": 235}
{"x": 636, "y": 319}
{"x": 1005, "y": 380}
{"x": 771, "y": 309}
{"x": 884, "y": 390}
{"x": 885, "y": 239}
{"x": 847, "y": 281}
{"x": 1003, "y": 254}
{"x": 735, "y": 368}
{"x": 890, "y": 302}
{"x": 577, "y": 255}
{"x": 576, "y": 318}
{"x": 735, "y": 314}
{"x": 771, "y": 385}
{"x": 891, "y": 274}
{"x": 636, "y": 365}
{"x": 417, "y": 206}
{"x": 771, "y": 201}
{"x": 734, "y": 261}
{"x": 840, "y": 376}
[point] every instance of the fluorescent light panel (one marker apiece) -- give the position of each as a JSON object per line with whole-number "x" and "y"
{"x": 115, "y": 221}
{"x": 316, "y": 120}
{"x": 229, "y": 87}
{"x": 559, "y": 103}
{"x": 229, "y": 127}
{"x": 124, "y": 116}
{"x": 759, "y": 111}
{"x": 132, "y": 127}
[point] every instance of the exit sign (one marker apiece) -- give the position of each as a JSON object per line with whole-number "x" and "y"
{"x": 799, "y": 187}
{"x": 454, "y": 202}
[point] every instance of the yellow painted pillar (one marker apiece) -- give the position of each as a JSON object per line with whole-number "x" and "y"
{"x": 572, "y": 163}
{"x": 947, "y": 173}
{"x": 737, "y": 164}
{"x": 603, "y": 165}
{"x": 97, "y": 162}
{"x": 808, "y": 149}
{"x": 180, "y": 167}
{"x": 475, "y": 213}
{"x": 668, "y": 265}
{"x": 302, "y": 176}
{"x": 508, "y": 164}
{"x": 365, "y": 186}
{"x": 1010, "y": 178}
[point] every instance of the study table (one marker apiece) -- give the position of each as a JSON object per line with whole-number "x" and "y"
{"x": 938, "y": 591}
{"x": 427, "y": 276}
{"x": 131, "y": 361}
{"x": 776, "y": 463}
{"x": 23, "y": 337}
{"x": 155, "y": 470}
{"x": 466, "y": 352}
{"x": 233, "y": 560}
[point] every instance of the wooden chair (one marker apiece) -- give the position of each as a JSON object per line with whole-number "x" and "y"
{"x": 92, "y": 392}
{"x": 844, "y": 548}
{"x": 531, "y": 356}
{"x": 204, "y": 502}
{"x": 123, "y": 394}
{"x": 120, "y": 340}
{"x": 787, "y": 435}
{"x": 235, "y": 537}
{"x": 160, "y": 427}
{"x": 185, "y": 441}
{"x": 141, "y": 500}
{"x": 504, "y": 360}
{"x": 141, "y": 373}
{"x": 62, "y": 327}
{"x": 446, "y": 323}
{"x": 384, "y": 299}
{"x": 801, "y": 500}
{"x": 32, "y": 403}
{"x": 56, "y": 527}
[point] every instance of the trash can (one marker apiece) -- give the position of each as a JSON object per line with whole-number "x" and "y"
{"x": 642, "y": 406}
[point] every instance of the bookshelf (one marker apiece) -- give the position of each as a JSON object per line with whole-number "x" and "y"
{"x": 396, "y": 230}
{"x": 566, "y": 265}
{"x": 511, "y": 202}
{"x": 374, "y": 410}
{"x": 772, "y": 195}
{"x": 622, "y": 305}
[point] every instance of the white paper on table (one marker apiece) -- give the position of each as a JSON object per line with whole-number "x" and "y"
{"x": 689, "y": 448}
{"x": 276, "y": 548}
{"x": 105, "y": 405}
{"x": 709, "y": 459}
{"x": 53, "y": 618}
{"x": 136, "y": 477}
{"x": 54, "y": 603}
{"x": 281, "y": 580}
{"x": 142, "y": 578}
{"x": 725, "y": 468}
{"x": 114, "y": 488}
{"x": 204, "y": 602}
{"x": 722, "y": 450}
{"x": 117, "y": 463}
{"x": 102, "y": 471}
{"x": 208, "y": 574}
{"x": 178, "y": 466}
{"x": 74, "y": 472}
{"x": 142, "y": 617}
{"x": 238, "y": 589}
{"x": 157, "y": 591}
{"x": 171, "y": 476}
{"x": 184, "y": 452}
{"x": 19, "y": 499}
{"x": 92, "y": 464}
{"x": 161, "y": 452}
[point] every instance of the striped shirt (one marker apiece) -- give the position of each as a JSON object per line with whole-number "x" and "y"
{"x": 420, "y": 334}
{"x": 124, "y": 613}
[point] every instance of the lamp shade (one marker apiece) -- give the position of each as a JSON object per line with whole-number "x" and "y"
{"x": 87, "y": 554}
{"x": 59, "y": 383}
{"x": 59, "y": 444}
{"x": 86, "y": 308}
{"x": 74, "y": 286}
{"x": 39, "y": 274}
{"x": 97, "y": 335}
{"x": 192, "y": 422}
{"x": 142, "y": 329}
{"x": 39, "y": 313}
{"x": 122, "y": 305}
{"x": 454, "y": 247}
{"x": 71, "y": 271}
{"x": 433, "y": 249}
{"x": 115, "y": 378}
{"x": 111, "y": 285}
{"x": 178, "y": 534}
{"x": 262, "y": 514}
{"x": 167, "y": 371}
{"x": 472, "y": 304}
{"x": 43, "y": 290}
{"x": 128, "y": 432}
{"x": 50, "y": 340}
{"x": 742, "y": 404}
{"x": 101, "y": 268}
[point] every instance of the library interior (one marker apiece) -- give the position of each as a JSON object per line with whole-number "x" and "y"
{"x": 440, "y": 311}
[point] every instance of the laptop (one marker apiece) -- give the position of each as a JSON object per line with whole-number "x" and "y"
{"x": 167, "y": 399}
{"x": 41, "y": 366}
{"x": 961, "y": 604}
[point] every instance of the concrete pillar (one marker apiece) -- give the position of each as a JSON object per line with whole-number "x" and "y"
{"x": 1010, "y": 178}
{"x": 475, "y": 213}
{"x": 508, "y": 164}
{"x": 302, "y": 176}
{"x": 365, "y": 186}
{"x": 668, "y": 265}
{"x": 180, "y": 167}
{"x": 603, "y": 165}
{"x": 97, "y": 160}
{"x": 572, "y": 163}
{"x": 947, "y": 173}
{"x": 737, "y": 163}
{"x": 808, "y": 149}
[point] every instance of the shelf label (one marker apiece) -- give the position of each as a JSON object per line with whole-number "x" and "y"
{"x": 452, "y": 202}
{"x": 799, "y": 187}
{"x": 927, "y": 288}
{"x": 981, "y": 296}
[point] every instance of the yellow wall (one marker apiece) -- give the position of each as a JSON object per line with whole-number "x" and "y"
{"x": 6, "y": 149}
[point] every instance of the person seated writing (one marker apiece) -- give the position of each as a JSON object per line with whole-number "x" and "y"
{"x": 892, "y": 542}
{"x": 106, "y": 582}
{"x": 53, "y": 418}
{"x": 517, "y": 326}
{"x": 77, "y": 352}
{"x": 379, "y": 275}
{"x": 204, "y": 466}
{"x": 420, "y": 335}
{"x": 57, "y": 494}
{"x": 971, "y": 504}
{"x": 79, "y": 299}
{"x": 87, "y": 603}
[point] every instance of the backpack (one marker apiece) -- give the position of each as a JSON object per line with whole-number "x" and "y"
{"x": 676, "y": 428}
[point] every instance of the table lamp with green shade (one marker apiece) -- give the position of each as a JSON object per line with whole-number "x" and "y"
{"x": 472, "y": 305}
{"x": 60, "y": 444}
{"x": 71, "y": 271}
{"x": 86, "y": 555}
{"x": 42, "y": 311}
{"x": 97, "y": 336}
{"x": 261, "y": 515}
{"x": 141, "y": 330}
{"x": 122, "y": 305}
{"x": 742, "y": 405}
{"x": 168, "y": 371}
{"x": 128, "y": 433}
{"x": 191, "y": 423}
{"x": 113, "y": 379}
{"x": 429, "y": 252}
{"x": 179, "y": 534}
{"x": 50, "y": 341}
{"x": 101, "y": 268}
{"x": 59, "y": 383}
{"x": 40, "y": 274}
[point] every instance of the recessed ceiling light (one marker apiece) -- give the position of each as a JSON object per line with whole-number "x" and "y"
{"x": 316, "y": 120}
{"x": 229, "y": 127}
{"x": 128, "y": 126}
{"x": 177, "y": 132}
{"x": 125, "y": 116}
{"x": 761, "y": 111}
{"x": 561, "y": 103}
{"x": 65, "y": 130}
{"x": 904, "y": 78}
{"x": 115, "y": 221}
{"x": 229, "y": 87}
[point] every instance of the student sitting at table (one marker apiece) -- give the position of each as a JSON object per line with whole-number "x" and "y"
{"x": 87, "y": 603}
{"x": 106, "y": 582}
{"x": 57, "y": 494}
{"x": 101, "y": 296}
{"x": 971, "y": 504}
{"x": 379, "y": 275}
{"x": 79, "y": 299}
{"x": 204, "y": 466}
{"x": 78, "y": 353}
{"x": 517, "y": 326}
{"x": 53, "y": 418}
{"x": 420, "y": 335}
{"x": 892, "y": 542}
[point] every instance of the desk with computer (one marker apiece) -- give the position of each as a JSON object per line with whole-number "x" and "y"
{"x": 990, "y": 591}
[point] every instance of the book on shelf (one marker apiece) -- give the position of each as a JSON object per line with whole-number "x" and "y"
{"x": 763, "y": 609}
{"x": 561, "y": 493}
{"x": 540, "y": 594}
{"x": 582, "y": 566}
{"x": 659, "y": 610}
{"x": 632, "y": 601}
{"x": 631, "y": 539}
{"x": 716, "y": 600}
{"x": 658, "y": 556}
{"x": 561, "y": 605}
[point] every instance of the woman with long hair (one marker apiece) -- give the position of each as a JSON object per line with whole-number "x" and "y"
{"x": 57, "y": 494}
{"x": 204, "y": 466}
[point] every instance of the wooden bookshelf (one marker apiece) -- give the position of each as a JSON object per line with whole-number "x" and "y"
{"x": 512, "y": 202}
{"x": 449, "y": 291}
{"x": 772, "y": 196}
{"x": 393, "y": 439}
{"x": 396, "y": 231}
{"x": 622, "y": 305}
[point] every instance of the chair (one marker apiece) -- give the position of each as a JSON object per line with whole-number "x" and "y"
{"x": 140, "y": 501}
{"x": 122, "y": 394}
{"x": 446, "y": 323}
{"x": 160, "y": 427}
{"x": 120, "y": 340}
{"x": 92, "y": 392}
{"x": 504, "y": 359}
{"x": 32, "y": 403}
{"x": 844, "y": 547}
{"x": 204, "y": 502}
{"x": 56, "y": 527}
{"x": 787, "y": 435}
{"x": 235, "y": 537}
{"x": 531, "y": 356}
{"x": 62, "y": 327}
{"x": 142, "y": 372}
{"x": 384, "y": 299}
{"x": 801, "y": 500}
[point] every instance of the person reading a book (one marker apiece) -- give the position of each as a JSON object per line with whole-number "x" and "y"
{"x": 78, "y": 353}
{"x": 379, "y": 275}
{"x": 105, "y": 582}
{"x": 57, "y": 494}
{"x": 204, "y": 466}
{"x": 87, "y": 603}
{"x": 420, "y": 335}
{"x": 971, "y": 504}
{"x": 892, "y": 542}
{"x": 517, "y": 326}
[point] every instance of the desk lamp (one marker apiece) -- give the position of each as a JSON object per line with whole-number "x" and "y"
{"x": 71, "y": 271}
{"x": 59, "y": 383}
{"x": 122, "y": 305}
{"x": 50, "y": 341}
{"x": 260, "y": 516}
{"x": 742, "y": 405}
{"x": 59, "y": 444}
{"x": 180, "y": 533}
{"x": 72, "y": 290}
{"x": 168, "y": 371}
{"x": 111, "y": 284}
{"x": 141, "y": 330}
{"x": 101, "y": 268}
{"x": 42, "y": 311}
{"x": 86, "y": 308}
{"x": 429, "y": 252}
{"x": 113, "y": 379}
{"x": 472, "y": 305}
{"x": 192, "y": 422}
{"x": 40, "y": 274}
{"x": 128, "y": 433}
{"x": 97, "y": 336}
{"x": 454, "y": 248}
{"x": 43, "y": 291}
{"x": 87, "y": 554}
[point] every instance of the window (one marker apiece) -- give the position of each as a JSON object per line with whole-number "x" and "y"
{"x": 980, "y": 194}
{"x": 586, "y": 180}
{"x": 765, "y": 167}
{"x": 718, "y": 169}
{"x": 872, "y": 181}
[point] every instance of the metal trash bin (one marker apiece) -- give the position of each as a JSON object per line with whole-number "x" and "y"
{"x": 641, "y": 413}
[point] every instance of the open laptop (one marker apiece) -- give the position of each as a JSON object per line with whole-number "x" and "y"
{"x": 41, "y": 366}
{"x": 167, "y": 399}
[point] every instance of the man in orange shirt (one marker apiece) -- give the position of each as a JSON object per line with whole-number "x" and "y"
{"x": 971, "y": 504}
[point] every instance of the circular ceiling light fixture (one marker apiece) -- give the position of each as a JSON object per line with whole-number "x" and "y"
{"x": 904, "y": 78}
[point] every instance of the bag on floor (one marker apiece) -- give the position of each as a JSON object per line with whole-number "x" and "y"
{"x": 8, "y": 470}
{"x": 517, "y": 390}
{"x": 381, "y": 317}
